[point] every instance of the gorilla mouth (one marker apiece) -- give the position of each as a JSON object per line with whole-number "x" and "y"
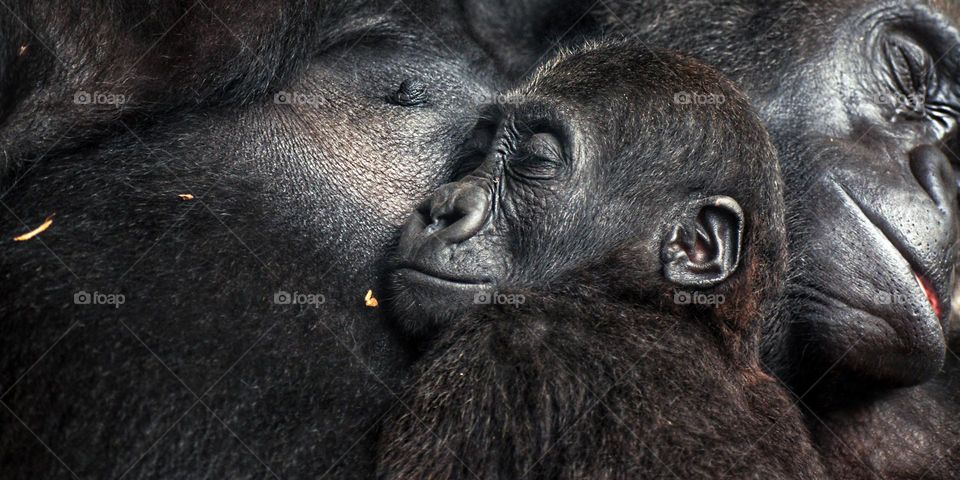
{"x": 434, "y": 299}
{"x": 930, "y": 292}
{"x": 425, "y": 301}
{"x": 926, "y": 286}
{"x": 437, "y": 278}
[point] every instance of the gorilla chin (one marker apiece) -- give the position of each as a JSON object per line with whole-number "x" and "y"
{"x": 906, "y": 346}
{"x": 902, "y": 339}
{"x": 428, "y": 300}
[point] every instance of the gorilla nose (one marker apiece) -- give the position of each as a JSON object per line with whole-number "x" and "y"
{"x": 934, "y": 173}
{"x": 457, "y": 211}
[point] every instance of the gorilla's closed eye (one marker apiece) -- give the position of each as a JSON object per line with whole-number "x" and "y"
{"x": 541, "y": 157}
{"x": 920, "y": 94}
{"x": 545, "y": 146}
{"x": 911, "y": 67}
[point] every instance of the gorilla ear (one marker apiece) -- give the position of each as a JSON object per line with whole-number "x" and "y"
{"x": 703, "y": 248}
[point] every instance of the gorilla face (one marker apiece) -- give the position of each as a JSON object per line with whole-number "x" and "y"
{"x": 870, "y": 181}
{"x": 522, "y": 180}
{"x": 595, "y": 197}
{"x": 567, "y": 175}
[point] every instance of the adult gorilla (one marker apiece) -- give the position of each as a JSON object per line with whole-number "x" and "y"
{"x": 304, "y": 132}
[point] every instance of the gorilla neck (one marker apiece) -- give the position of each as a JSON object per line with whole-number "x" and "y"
{"x": 560, "y": 388}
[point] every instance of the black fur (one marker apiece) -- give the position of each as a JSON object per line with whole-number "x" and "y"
{"x": 588, "y": 387}
{"x": 909, "y": 433}
{"x": 297, "y": 197}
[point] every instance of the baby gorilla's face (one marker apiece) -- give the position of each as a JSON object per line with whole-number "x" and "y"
{"x": 551, "y": 184}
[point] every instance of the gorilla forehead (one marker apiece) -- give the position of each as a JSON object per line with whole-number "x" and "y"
{"x": 746, "y": 37}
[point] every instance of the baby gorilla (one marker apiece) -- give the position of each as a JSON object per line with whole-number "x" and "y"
{"x": 621, "y": 220}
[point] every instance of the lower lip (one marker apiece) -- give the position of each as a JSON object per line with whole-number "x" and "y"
{"x": 931, "y": 294}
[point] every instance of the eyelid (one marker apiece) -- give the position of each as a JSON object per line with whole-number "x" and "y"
{"x": 539, "y": 158}
{"x": 545, "y": 145}
{"x": 902, "y": 53}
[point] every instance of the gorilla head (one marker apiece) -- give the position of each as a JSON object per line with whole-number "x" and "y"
{"x": 560, "y": 174}
{"x": 620, "y": 185}
{"x": 862, "y": 100}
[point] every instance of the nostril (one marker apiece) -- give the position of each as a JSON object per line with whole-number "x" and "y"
{"x": 424, "y": 209}
{"x": 933, "y": 171}
{"x": 440, "y": 221}
{"x": 422, "y": 219}
{"x": 443, "y": 210}
{"x": 447, "y": 218}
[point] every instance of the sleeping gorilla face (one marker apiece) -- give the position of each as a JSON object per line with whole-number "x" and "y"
{"x": 551, "y": 182}
{"x": 597, "y": 195}
{"x": 881, "y": 195}
{"x": 877, "y": 203}
{"x": 863, "y": 104}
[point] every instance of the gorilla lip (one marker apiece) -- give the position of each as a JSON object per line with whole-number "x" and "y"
{"x": 931, "y": 294}
{"x": 432, "y": 276}
{"x": 925, "y": 285}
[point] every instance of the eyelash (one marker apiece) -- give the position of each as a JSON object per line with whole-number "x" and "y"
{"x": 918, "y": 75}
{"x": 915, "y": 79}
{"x": 532, "y": 167}
{"x": 910, "y": 69}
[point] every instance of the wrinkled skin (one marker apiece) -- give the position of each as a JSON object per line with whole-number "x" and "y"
{"x": 875, "y": 196}
{"x": 200, "y": 372}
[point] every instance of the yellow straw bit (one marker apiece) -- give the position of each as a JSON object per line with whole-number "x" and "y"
{"x": 36, "y": 231}
{"x": 370, "y": 300}
{"x": 185, "y": 196}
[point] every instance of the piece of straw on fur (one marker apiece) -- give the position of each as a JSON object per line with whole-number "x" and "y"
{"x": 36, "y": 231}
